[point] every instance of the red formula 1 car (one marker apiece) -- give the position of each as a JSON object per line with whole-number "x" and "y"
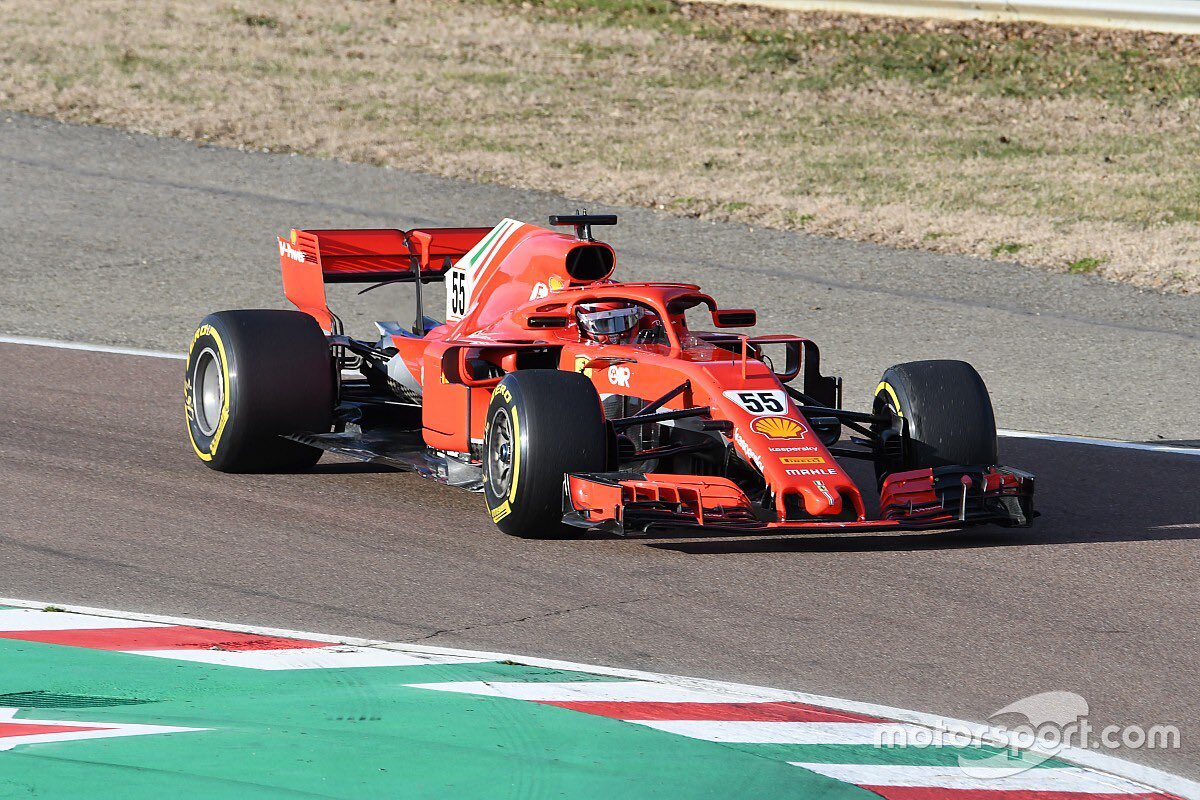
{"x": 572, "y": 401}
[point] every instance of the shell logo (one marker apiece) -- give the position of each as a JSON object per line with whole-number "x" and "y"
{"x": 556, "y": 283}
{"x": 778, "y": 428}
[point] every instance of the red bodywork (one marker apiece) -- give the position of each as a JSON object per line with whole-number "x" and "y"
{"x": 511, "y": 297}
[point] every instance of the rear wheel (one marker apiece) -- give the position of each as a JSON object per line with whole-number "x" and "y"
{"x": 938, "y": 413}
{"x": 541, "y": 424}
{"x": 251, "y": 376}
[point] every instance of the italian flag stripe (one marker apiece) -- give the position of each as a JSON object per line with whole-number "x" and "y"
{"x": 473, "y": 257}
{"x": 494, "y": 242}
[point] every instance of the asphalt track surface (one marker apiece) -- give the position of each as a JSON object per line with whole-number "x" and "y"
{"x": 129, "y": 240}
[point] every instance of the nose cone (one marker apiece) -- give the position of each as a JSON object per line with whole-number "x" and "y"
{"x": 823, "y": 498}
{"x": 819, "y": 503}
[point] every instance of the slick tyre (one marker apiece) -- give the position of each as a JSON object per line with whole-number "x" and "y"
{"x": 252, "y": 376}
{"x": 541, "y": 424}
{"x": 938, "y": 413}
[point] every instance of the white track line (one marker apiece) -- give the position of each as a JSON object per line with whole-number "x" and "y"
{"x": 92, "y": 348}
{"x": 980, "y": 779}
{"x": 1092, "y": 759}
{"x": 308, "y": 658}
{"x": 1067, "y": 439}
{"x": 25, "y": 619}
{"x": 1011, "y": 434}
{"x": 607, "y": 691}
{"x": 757, "y": 732}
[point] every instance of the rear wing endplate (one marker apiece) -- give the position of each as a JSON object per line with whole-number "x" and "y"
{"x": 310, "y": 259}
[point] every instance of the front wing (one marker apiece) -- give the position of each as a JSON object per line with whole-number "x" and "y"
{"x": 942, "y": 497}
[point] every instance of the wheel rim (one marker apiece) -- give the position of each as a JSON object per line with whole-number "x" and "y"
{"x": 500, "y": 453}
{"x": 208, "y": 391}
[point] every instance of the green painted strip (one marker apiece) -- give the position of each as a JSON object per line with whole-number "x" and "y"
{"x": 483, "y": 246}
{"x": 907, "y": 756}
{"x": 355, "y": 733}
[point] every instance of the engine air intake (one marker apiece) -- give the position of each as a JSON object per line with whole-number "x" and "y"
{"x": 589, "y": 262}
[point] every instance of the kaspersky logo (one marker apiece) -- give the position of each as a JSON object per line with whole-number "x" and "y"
{"x": 747, "y": 449}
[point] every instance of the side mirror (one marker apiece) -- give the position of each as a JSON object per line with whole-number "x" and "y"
{"x": 734, "y": 318}
{"x": 547, "y": 321}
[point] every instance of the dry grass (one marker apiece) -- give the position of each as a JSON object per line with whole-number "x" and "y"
{"x": 1068, "y": 151}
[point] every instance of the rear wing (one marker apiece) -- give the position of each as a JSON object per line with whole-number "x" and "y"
{"x": 310, "y": 259}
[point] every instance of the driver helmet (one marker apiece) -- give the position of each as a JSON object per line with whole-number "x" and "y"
{"x": 609, "y": 323}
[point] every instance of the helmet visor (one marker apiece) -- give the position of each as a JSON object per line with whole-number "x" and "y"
{"x": 609, "y": 322}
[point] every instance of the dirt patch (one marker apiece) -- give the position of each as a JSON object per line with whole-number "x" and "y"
{"x": 1075, "y": 151}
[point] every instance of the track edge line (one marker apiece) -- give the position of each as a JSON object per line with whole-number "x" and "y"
{"x": 33, "y": 341}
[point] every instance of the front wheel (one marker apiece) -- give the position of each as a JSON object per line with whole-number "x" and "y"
{"x": 938, "y": 413}
{"x": 252, "y": 376}
{"x": 541, "y": 424}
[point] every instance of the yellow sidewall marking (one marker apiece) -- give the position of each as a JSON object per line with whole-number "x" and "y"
{"x": 512, "y": 490}
{"x": 884, "y": 386}
{"x": 501, "y": 511}
{"x": 208, "y": 330}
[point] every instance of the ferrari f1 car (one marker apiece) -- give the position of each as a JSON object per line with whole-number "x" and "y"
{"x": 573, "y": 401}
